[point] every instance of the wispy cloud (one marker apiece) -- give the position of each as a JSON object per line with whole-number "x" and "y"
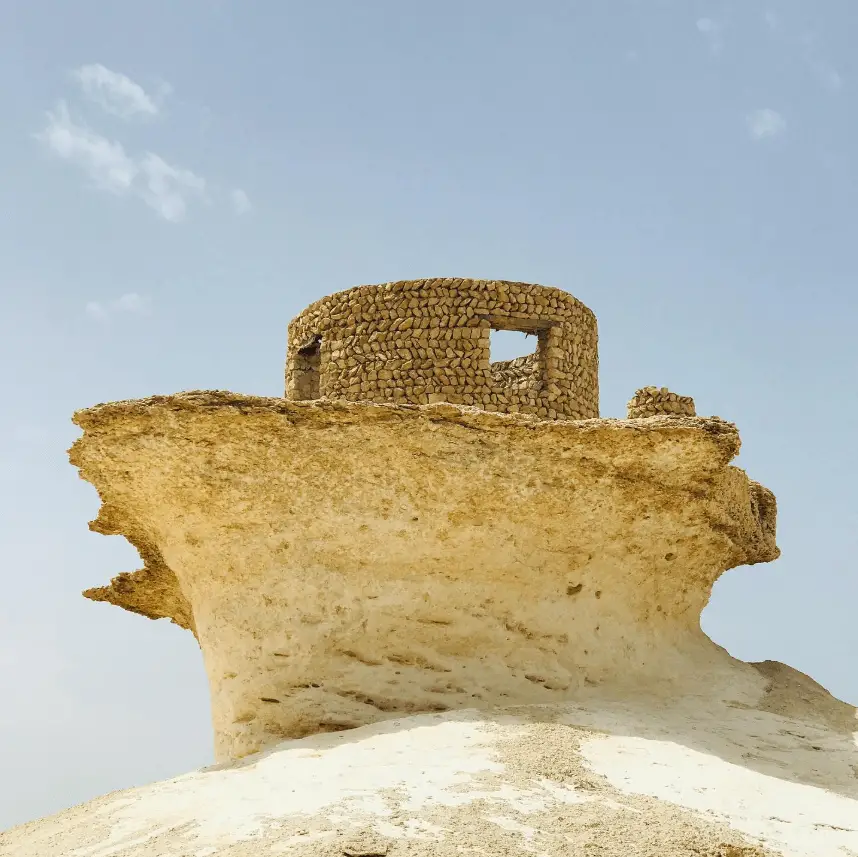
{"x": 240, "y": 202}
{"x": 103, "y": 160}
{"x": 116, "y": 92}
{"x": 765, "y": 123}
{"x": 163, "y": 187}
{"x": 129, "y": 304}
{"x": 168, "y": 188}
{"x": 713, "y": 32}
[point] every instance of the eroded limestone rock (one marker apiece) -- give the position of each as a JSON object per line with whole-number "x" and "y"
{"x": 345, "y": 563}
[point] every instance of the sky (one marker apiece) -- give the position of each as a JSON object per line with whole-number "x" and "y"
{"x": 178, "y": 179}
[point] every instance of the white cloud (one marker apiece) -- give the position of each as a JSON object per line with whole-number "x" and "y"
{"x": 712, "y": 32}
{"x": 241, "y": 202}
{"x": 168, "y": 188}
{"x": 765, "y": 123}
{"x": 130, "y": 303}
{"x": 115, "y": 92}
{"x": 773, "y": 21}
{"x": 163, "y": 187}
{"x": 104, "y": 161}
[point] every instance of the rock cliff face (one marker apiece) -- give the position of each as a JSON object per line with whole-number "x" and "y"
{"x": 343, "y": 563}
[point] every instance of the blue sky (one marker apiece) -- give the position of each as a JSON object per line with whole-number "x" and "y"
{"x": 180, "y": 178}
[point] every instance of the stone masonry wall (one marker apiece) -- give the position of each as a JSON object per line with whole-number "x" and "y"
{"x": 520, "y": 375}
{"x": 655, "y": 401}
{"x": 423, "y": 341}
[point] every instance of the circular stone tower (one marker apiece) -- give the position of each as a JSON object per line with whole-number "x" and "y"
{"x": 425, "y": 341}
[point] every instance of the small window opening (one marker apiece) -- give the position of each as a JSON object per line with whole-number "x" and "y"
{"x": 505, "y": 345}
{"x": 517, "y": 353}
{"x": 307, "y": 366}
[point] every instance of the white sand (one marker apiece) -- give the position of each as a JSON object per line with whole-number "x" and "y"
{"x": 650, "y": 777}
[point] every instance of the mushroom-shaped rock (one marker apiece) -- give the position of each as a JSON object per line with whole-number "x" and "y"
{"x": 488, "y": 595}
{"x": 345, "y": 563}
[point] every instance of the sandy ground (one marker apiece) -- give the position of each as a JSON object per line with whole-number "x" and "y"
{"x": 602, "y": 777}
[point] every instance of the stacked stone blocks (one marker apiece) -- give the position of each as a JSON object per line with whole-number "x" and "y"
{"x": 659, "y": 401}
{"x": 424, "y": 341}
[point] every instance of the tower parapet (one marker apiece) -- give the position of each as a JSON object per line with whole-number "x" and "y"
{"x": 424, "y": 341}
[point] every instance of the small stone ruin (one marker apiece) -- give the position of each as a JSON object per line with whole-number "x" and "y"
{"x": 655, "y": 401}
{"x": 426, "y": 341}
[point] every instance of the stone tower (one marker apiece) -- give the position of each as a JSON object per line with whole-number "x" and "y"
{"x": 424, "y": 341}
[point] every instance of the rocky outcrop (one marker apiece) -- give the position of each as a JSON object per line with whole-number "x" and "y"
{"x": 440, "y": 629}
{"x": 342, "y": 563}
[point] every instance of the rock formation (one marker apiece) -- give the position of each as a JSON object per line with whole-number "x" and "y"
{"x": 489, "y": 593}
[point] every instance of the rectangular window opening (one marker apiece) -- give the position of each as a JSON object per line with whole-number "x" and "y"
{"x": 517, "y": 355}
{"x": 507, "y": 345}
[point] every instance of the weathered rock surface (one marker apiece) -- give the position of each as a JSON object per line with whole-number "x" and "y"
{"x": 350, "y": 568}
{"x": 346, "y": 563}
{"x": 770, "y": 770}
